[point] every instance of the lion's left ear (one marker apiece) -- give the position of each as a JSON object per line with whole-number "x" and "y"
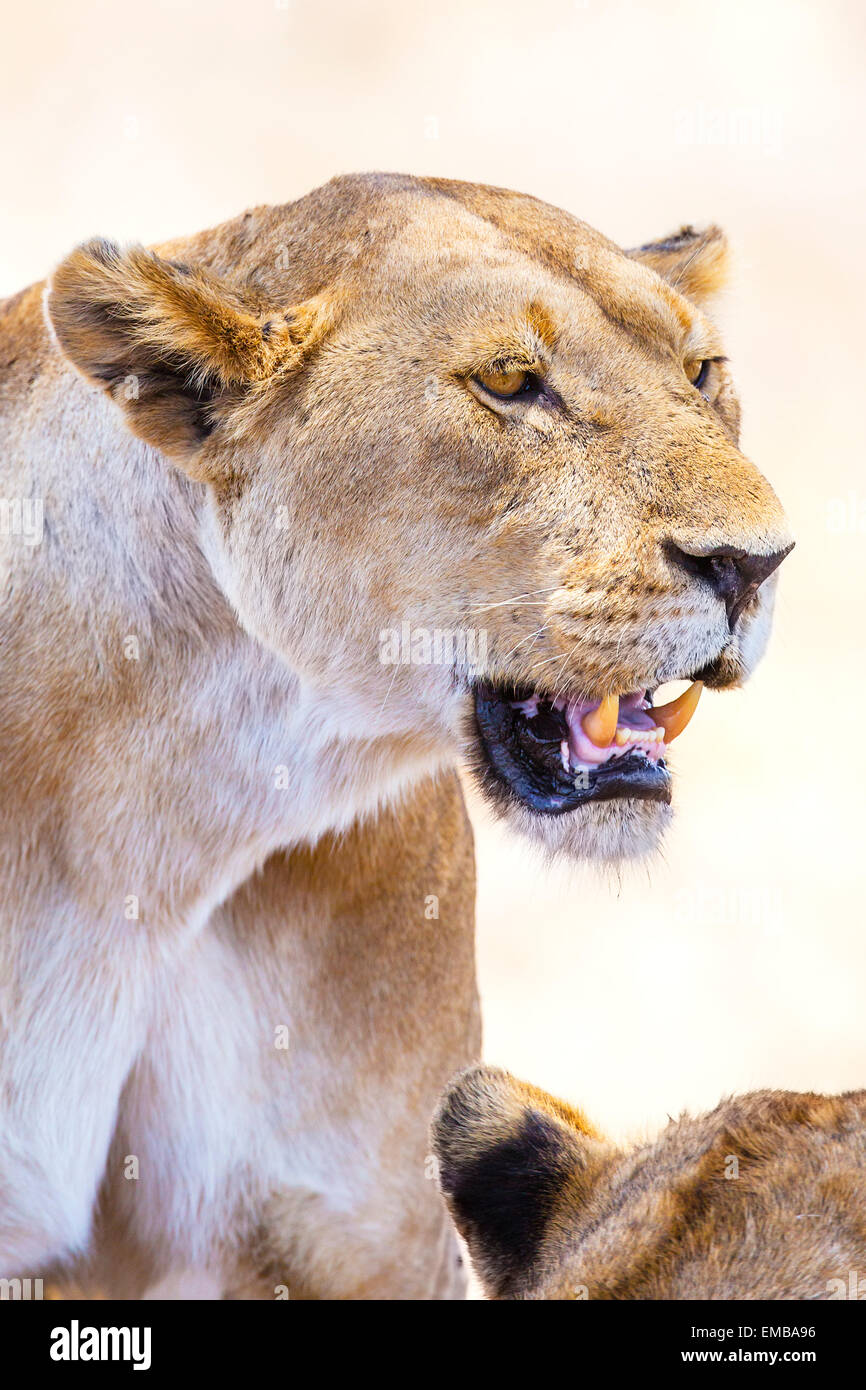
{"x": 694, "y": 262}
{"x": 172, "y": 343}
{"x": 506, "y": 1153}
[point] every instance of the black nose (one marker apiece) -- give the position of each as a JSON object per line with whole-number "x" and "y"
{"x": 735, "y": 575}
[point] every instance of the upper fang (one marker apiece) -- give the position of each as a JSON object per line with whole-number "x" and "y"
{"x": 600, "y": 724}
{"x": 674, "y": 716}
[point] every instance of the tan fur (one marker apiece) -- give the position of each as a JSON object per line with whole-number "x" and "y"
{"x": 765, "y": 1197}
{"x": 268, "y": 452}
{"x": 695, "y": 263}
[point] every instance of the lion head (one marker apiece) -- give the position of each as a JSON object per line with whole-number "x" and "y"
{"x": 472, "y": 474}
{"x": 765, "y": 1197}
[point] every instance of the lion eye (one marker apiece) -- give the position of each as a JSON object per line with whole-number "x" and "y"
{"x": 505, "y": 384}
{"x": 697, "y": 372}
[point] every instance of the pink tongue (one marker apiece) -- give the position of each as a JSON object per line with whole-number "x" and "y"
{"x": 581, "y": 749}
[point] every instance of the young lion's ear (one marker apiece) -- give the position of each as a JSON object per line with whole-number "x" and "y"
{"x": 167, "y": 342}
{"x": 508, "y": 1155}
{"x": 695, "y": 263}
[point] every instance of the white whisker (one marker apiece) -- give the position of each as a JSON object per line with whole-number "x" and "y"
{"x": 516, "y": 600}
{"x": 531, "y": 638}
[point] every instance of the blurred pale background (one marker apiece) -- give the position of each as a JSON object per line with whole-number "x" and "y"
{"x": 739, "y": 959}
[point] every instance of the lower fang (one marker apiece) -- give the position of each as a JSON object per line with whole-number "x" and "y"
{"x": 563, "y": 753}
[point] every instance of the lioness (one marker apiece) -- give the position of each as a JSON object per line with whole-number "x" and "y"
{"x": 237, "y": 881}
{"x": 765, "y": 1197}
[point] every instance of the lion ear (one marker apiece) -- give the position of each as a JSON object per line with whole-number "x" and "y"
{"x": 507, "y": 1155}
{"x": 694, "y": 262}
{"x": 169, "y": 342}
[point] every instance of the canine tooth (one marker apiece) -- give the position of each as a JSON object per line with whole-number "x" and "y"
{"x": 563, "y": 753}
{"x": 674, "y": 716}
{"x": 600, "y": 724}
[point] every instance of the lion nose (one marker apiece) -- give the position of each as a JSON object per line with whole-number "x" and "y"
{"x": 735, "y": 575}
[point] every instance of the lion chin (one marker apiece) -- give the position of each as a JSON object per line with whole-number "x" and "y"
{"x": 606, "y": 832}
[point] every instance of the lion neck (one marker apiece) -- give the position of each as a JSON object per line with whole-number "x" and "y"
{"x": 151, "y": 741}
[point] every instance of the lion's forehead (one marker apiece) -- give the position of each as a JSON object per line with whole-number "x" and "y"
{"x": 562, "y": 264}
{"x": 420, "y": 240}
{"x": 709, "y": 1188}
{"x": 755, "y": 1136}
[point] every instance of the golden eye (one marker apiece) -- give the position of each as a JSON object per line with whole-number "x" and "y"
{"x": 505, "y": 384}
{"x": 698, "y": 371}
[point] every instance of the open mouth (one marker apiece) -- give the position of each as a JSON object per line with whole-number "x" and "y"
{"x": 554, "y": 754}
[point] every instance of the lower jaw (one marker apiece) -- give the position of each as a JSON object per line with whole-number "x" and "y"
{"x": 608, "y": 834}
{"x": 513, "y": 769}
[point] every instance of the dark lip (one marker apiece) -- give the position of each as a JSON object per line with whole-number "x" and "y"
{"x": 514, "y": 764}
